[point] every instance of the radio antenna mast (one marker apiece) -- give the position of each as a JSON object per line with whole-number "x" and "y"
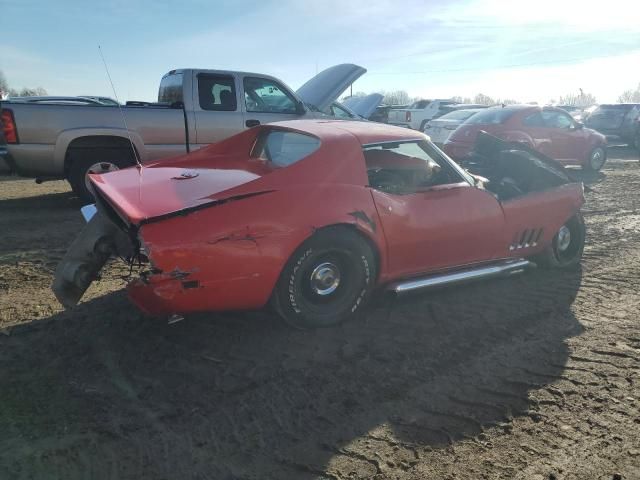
{"x": 124, "y": 120}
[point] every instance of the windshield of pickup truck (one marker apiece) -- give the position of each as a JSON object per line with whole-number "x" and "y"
{"x": 170, "y": 90}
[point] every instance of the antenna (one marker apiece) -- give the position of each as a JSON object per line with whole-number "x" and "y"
{"x": 124, "y": 120}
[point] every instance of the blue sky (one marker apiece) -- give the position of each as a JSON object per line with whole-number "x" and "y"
{"x": 503, "y": 48}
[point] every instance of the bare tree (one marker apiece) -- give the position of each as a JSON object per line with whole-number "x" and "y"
{"x": 483, "y": 99}
{"x": 4, "y": 85}
{"x": 460, "y": 99}
{"x": 630, "y": 96}
{"x": 581, "y": 99}
{"x": 397, "y": 97}
{"x": 14, "y": 92}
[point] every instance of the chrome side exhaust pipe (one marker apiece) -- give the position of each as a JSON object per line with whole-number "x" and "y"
{"x": 500, "y": 269}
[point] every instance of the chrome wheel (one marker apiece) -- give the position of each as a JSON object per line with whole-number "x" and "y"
{"x": 99, "y": 167}
{"x": 597, "y": 159}
{"x": 564, "y": 238}
{"x": 325, "y": 279}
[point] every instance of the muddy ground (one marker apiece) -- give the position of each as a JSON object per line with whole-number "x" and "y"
{"x": 535, "y": 377}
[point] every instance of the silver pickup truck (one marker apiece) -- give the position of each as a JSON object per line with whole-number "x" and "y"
{"x": 195, "y": 108}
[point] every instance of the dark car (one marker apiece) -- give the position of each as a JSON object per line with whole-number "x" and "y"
{"x": 619, "y": 122}
{"x": 549, "y": 130}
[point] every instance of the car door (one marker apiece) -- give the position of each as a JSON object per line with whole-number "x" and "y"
{"x": 266, "y": 100}
{"x": 436, "y": 225}
{"x": 566, "y": 138}
{"x": 216, "y": 109}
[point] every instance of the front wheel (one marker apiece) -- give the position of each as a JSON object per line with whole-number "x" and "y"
{"x": 566, "y": 247}
{"x": 596, "y": 160}
{"x": 327, "y": 280}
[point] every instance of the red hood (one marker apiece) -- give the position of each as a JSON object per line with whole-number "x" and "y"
{"x": 142, "y": 193}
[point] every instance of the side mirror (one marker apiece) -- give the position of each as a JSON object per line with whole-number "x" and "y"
{"x": 576, "y": 126}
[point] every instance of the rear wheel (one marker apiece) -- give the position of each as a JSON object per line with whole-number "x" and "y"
{"x": 83, "y": 162}
{"x": 596, "y": 160}
{"x": 567, "y": 245}
{"x": 327, "y": 280}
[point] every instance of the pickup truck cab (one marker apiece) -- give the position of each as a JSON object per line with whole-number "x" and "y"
{"x": 195, "y": 108}
{"x": 418, "y": 114}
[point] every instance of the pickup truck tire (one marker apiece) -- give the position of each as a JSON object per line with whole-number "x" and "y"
{"x": 327, "y": 280}
{"x": 84, "y": 161}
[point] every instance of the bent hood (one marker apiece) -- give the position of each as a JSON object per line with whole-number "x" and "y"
{"x": 364, "y": 106}
{"x": 325, "y": 88}
{"x": 140, "y": 194}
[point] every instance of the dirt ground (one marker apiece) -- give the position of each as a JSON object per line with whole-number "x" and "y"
{"x": 535, "y": 377}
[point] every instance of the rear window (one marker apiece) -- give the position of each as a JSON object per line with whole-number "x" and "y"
{"x": 170, "y": 89}
{"x": 491, "y": 116}
{"x": 284, "y": 148}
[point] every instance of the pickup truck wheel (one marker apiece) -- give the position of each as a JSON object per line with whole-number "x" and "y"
{"x": 566, "y": 247}
{"x": 82, "y": 167}
{"x": 596, "y": 160}
{"x": 326, "y": 281}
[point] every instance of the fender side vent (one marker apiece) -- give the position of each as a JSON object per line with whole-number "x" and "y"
{"x": 528, "y": 238}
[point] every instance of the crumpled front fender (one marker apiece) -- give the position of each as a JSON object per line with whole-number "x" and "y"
{"x": 83, "y": 261}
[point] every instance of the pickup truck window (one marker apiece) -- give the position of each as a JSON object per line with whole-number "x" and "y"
{"x": 170, "y": 89}
{"x": 217, "y": 92}
{"x": 266, "y": 96}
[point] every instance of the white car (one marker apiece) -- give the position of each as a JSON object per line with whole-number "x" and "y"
{"x": 442, "y": 127}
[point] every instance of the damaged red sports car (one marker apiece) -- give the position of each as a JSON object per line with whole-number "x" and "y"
{"x": 312, "y": 216}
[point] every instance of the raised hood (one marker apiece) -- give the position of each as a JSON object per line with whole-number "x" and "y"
{"x": 325, "y": 88}
{"x": 364, "y": 106}
{"x": 140, "y": 194}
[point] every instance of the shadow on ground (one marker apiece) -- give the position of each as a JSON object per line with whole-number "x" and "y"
{"x": 103, "y": 392}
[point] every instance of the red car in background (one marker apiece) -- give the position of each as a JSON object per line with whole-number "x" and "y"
{"x": 549, "y": 130}
{"x": 313, "y": 216}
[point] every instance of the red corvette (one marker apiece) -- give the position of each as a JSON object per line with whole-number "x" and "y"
{"x": 312, "y": 216}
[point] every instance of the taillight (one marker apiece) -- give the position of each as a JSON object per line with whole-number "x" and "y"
{"x": 9, "y": 126}
{"x": 408, "y": 116}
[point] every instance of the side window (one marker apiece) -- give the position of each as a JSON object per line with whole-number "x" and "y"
{"x": 534, "y": 120}
{"x": 217, "y": 92}
{"x": 283, "y": 148}
{"x": 266, "y": 96}
{"x": 409, "y": 167}
{"x": 556, "y": 119}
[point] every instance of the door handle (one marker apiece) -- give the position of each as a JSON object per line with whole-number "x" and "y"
{"x": 252, "y": 123}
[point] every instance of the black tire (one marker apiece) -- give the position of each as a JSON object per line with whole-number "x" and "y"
{"x": 596, "y": 160}
{"x": 558, "y": 255}
{"x": 81, "y": 160}
{"x": 307, "y": 294}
